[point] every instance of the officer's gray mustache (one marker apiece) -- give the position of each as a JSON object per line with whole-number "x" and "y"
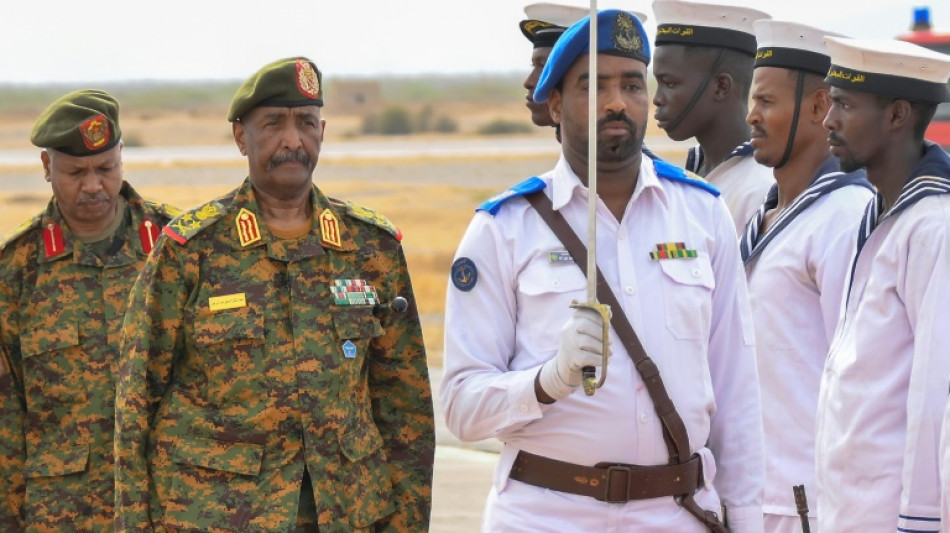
{"x": 297, "y": 155}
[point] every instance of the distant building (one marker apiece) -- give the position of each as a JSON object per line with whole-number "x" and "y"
{"x": 353, "y": 97}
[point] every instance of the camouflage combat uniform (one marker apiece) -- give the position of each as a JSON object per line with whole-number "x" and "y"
{"x": 240, "y": 369}
{"x": 61, "y": 312}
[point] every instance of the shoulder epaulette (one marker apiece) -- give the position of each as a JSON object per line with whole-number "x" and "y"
{"x": 675, "y": 173}
{"x": 373, "y": 217}
{"x": 166, "y": 210}
{"x": 493, "y": 204}
{"x": 189, "y": 223}
{"x": 18, "y": 231}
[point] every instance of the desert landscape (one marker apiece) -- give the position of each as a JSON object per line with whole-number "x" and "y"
{"x": 430, "y": 196}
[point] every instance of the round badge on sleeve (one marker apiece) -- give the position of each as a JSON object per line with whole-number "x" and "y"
{"x": 464, "y": 274}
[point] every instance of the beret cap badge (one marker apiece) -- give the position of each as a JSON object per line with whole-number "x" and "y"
{"x": 307, "y": 80}
{"x": 625, "y": 36}
{"x": 95, "y": 132}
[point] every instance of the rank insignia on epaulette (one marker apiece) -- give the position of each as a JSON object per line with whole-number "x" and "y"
{"x": 148, "y": 234}
{"x": 353, "y": 292}
{"x": 560, "y": 257}
{"x": 53, "y": 240}
{"x": 330, "y": 228}
{"x": 672, "y": 250}
{"x": 248, "y": 230}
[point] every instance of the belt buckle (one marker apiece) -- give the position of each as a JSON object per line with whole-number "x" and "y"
{"x": 626, "y": 486}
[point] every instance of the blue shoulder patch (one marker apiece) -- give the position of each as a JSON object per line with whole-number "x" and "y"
{"x": 675, "y": 173}
{"x": 493, "y": 204}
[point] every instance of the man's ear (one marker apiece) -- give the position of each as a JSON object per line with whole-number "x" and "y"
{"x": 554, "y": 105}
{"x": 818, "y": 105}
{"x": 47, "y": 170}
{"x": 899, "y": 115}
{"x": 723, "y": 85}
{"x": 237, "y": 129}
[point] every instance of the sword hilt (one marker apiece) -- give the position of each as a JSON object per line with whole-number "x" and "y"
{"x": 591, "y": 383}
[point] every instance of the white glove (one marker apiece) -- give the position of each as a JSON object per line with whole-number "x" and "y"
{"x": 581, "y": 345}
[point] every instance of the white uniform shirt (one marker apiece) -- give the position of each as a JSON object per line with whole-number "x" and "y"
{"x": 796, "y": 283}
{"x": 945, "y": 469}
{"x": 692, "y": 317}
{"x": 884, "y": 386}
{"x": 741, "y": 179}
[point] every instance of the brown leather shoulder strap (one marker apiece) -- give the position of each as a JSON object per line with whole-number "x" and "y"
{"x": 678, "y": 442}
{"x": 674, "y": 430}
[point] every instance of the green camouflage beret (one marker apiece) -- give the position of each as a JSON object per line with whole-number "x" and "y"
{"x": 290, "y": 82}
{"x": 80, "y": 123}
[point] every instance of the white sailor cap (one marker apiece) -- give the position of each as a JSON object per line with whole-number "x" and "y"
{"x": 791, "y": 45}
{"x": 890, "y": 68}
{"x": 565, "y": 15}
{"x": 712, "y": 25}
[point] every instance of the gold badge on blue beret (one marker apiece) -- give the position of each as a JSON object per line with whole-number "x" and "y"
{"x": 80, "y": 123}
{"x": 619, "y": 33}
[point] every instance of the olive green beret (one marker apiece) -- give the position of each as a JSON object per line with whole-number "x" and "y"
{"x": 290, "y": 82}
{"x": 80, "y": 123}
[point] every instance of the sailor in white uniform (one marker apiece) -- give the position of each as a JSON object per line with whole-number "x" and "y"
{"x": 797, "y": 254}
{"x": 703, "y": 69}
{"x": 514, "y": 349}
{"x": 884, "y": 385}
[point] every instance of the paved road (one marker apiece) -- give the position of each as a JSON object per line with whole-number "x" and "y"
{"x": 395, "y": 148}
{"x": 463, "y": 473}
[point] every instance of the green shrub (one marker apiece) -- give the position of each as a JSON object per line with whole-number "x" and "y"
{"x": 503, "y": 127}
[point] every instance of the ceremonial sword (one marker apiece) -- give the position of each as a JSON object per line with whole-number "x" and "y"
{"x": 591, "y": 383}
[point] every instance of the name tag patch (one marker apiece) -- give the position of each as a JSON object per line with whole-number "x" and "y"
{"x": 560, "y": 257}
{"x": 228, "y": 301}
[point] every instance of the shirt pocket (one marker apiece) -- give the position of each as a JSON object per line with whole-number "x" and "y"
{"x": 688, "y": 288}
{"x": 366, "y": 483}
{"x": 214, "y": 484}
{"x": 53, "y": 363}
{"x": 355, "y": 329}
{"x": 545, "y": 293}
{"x": 59, "y": 461}
{"x": 231, "y": 347}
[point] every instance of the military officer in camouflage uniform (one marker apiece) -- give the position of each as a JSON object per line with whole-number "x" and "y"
{"x": 65, "y": 277}
{"x": 274, "y": 375}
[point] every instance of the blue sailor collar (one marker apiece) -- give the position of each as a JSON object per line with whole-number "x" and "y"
{"x": 695, "y": 156}
{"x": 931, "y": 176}
{"x": 827, "y": 179}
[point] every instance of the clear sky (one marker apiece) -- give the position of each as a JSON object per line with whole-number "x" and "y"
{"x": 43, "y": 41}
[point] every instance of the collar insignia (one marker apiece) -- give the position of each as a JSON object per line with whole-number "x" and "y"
{"x": 330, "y": 228}
{"x": 248, "y": 230}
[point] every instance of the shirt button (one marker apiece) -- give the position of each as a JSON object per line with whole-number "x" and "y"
{"x": 696, "y": 272}
{"x": 643, "y": 418}
{"x": 630, "y": 290}
{"x": 556, "y": 283}
{"x": 622, "y": 236}
{"x": 524, "y": 408}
